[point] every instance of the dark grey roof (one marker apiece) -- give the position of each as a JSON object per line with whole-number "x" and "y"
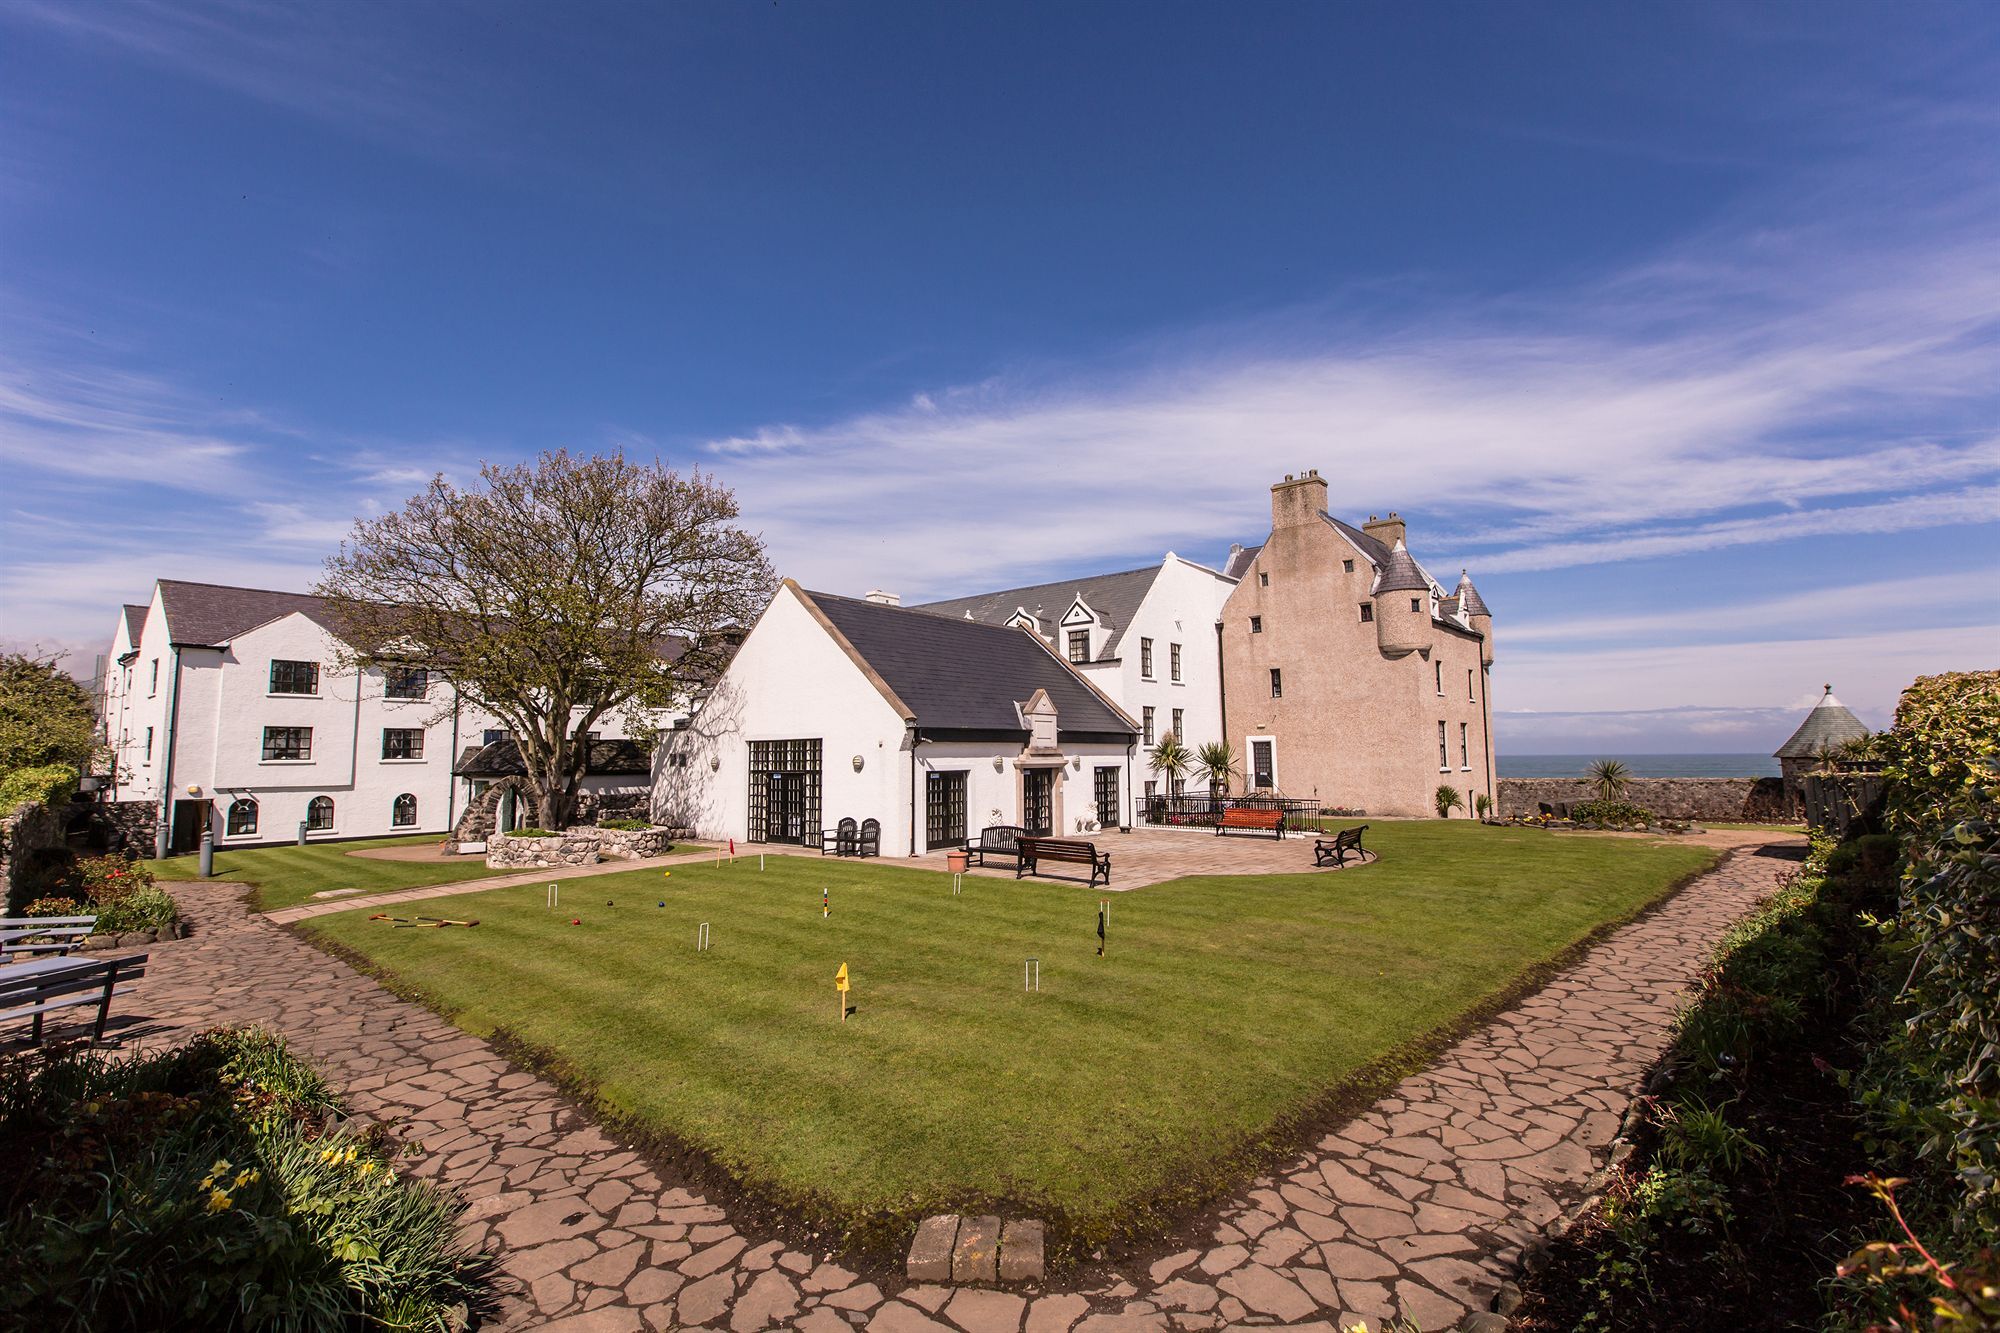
{"x": 1240, "y": 560}
{"x": 1399, "y": 573}
{"x": 1829, "y": 724}
{"x": 1371, "y": 546}
{"x": 135, "y": 622}
{"x": 1475, "y": 605}
{"x": 502, "y": 759}
{"x": 207, "y": 614}
{"x": 966, "y": 675}
{"x": 1115, "y": 598}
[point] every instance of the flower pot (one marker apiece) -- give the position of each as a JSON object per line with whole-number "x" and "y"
{"x": 956, "y": 861}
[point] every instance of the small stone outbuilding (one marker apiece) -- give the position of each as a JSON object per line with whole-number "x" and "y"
{"x": 1830, "y": 725}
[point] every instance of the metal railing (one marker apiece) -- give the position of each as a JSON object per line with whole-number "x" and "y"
{"x": 1201, "y": 810}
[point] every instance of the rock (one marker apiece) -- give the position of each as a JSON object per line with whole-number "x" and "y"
{"x": 977, "y": 1255}
{"x": 1021, "y": 1251}
{"x": 931, "y": 1250}
{"x": 1507, "y": 1299}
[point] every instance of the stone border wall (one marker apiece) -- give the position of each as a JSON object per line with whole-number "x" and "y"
{"x": 1745, "y": 800}
{"x": 32, "y": 827}
{"x": 584, "y": 845}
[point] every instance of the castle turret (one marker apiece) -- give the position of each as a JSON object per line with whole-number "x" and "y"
{"x": 1476, "y": 615}
{"x": 1402, "y": 605}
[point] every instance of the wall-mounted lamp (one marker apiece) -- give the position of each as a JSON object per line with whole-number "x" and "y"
{"x": 194, "y": 791}
{"x": 999, "y": 764}
{"x": 857, "y": 763}
{"x": 1077, "y": 763}
{"x": 715, "y": 764}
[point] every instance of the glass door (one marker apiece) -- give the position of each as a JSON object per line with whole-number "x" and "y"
{"x": 944, "y": 810}
{"x": 1038, "y": 801}
{"x": 1107, "y": 798}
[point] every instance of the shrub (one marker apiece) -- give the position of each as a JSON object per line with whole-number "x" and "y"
{"x": 625, "y": 825}
{"x": 1482, "y": 805}
{"x": 207, "y": 1187}
{"x": 1609, "y": 776}
{"x": 1448, "y": 800}
{"x": 1605, "y": 811}
{"x": 49, "y": 784}
{"x": 56, "y": 907}
{"x": 105, "y": 879}
{"x": 141, "y": 909}
{"x": 529, "y": 833}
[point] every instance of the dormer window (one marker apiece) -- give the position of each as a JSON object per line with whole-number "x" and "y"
{"x": 1079, "y": 645}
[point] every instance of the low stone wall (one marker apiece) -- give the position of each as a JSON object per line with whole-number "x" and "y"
{"x": 137, "y": 821}
{"x": 31, "y": 829}
{"x": 584, "y": 845}
{"x": 1745, "y": 800}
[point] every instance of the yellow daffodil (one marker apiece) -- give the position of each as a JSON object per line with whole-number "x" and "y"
{"x": 244, "y": 1178}
{"x": 218, "y": 1202}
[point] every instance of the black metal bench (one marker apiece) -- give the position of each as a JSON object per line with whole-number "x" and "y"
{"x": 1334, "y": 851}
{"x": 996, "y": 840}
{"x": 1071, "y": 850}
{"x": 34, "y": 989}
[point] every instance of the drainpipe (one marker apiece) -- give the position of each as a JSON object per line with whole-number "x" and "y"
{"x": 1486, "y": 716}
{"x": 1131, "y": 798}
{"x": 164, "y": 832}
{"x": 450, "y": 778}
{"x": 1221, "y": 688}
{"x": 914, "y": 737}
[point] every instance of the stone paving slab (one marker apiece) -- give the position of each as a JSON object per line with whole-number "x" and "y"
{"x": 1418, "y": 1208}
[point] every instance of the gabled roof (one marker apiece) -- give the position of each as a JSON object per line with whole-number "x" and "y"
{"x": 1369, "y": 545}
{"x": 502, "y": 759}
{"x": 206, "y": 615}
{"x": 135, "y": 622}
{"x": 1114, "y": 597}
{"x": 955, "y": 674}
{"x": 1829, "y": 724}
{"x": 1240, "y": 560}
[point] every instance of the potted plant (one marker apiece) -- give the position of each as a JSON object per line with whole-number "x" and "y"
{"x": 956, "y": 860}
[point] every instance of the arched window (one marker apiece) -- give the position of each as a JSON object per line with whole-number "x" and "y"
{"x": 242, "y": 817}
{"x": 403, "y": 814}
{"x": 319, "y": 814}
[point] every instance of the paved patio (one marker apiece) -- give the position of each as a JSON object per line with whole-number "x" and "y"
{"x": 1153, "y": 855}
{"x": 1419, "y": 1207}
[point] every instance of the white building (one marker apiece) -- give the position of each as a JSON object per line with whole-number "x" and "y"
{"x": 934, "y": 726}
{"x": 1145, "y": 637}
{"x": 224, "y": 709}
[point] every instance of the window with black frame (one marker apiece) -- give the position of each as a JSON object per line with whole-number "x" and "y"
{"x": 784, "y": 791}
{"x": 294, "y": 677}
{"x": 242, "y": 817}
{"x": 1106, "y": 780}
{"x": 1079, "y": 645}
{"x": 944, "y": 809}
{"x": 405, "y": 682}
{"x": 319, "y": 815}
{"x": 288, "y": 743}
{"x": 402, "y": 742}
{"x": 403, "y": 812}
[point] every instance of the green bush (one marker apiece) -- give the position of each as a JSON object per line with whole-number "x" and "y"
{"x": 208, "y": 1187}
{"x": 1606, "y": 810}
{"x": 141, "y": 909}
{"x": 105, "y": 879}
{"x": 625, "y": 825}
{"x": 56, "y": 907}
{"x": 1447, "y": 799}
{"x": 49, "y": 784}
{"x": 529, "y": 833}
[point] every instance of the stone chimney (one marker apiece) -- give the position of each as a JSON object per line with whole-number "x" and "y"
{"x": 881, "y": 598}
{"x": 1298, "y": 500}
{"x": 1388, "y": 530}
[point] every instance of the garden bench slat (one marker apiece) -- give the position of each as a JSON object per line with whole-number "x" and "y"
{"x": 1071, "y": 850}
{"x": 998, "y": 840}
{"x": 31, "y": 990}
{"x": 43, "y": 934}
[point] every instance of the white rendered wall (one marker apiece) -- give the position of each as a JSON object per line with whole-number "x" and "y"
{"x": 1182, "y": 607}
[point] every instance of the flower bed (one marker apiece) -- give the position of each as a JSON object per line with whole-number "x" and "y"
{"x": 584, "y": 845}
{"x": 213, "y": 1186}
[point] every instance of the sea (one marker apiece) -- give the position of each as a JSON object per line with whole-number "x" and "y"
{"x": 1640, "y": 765}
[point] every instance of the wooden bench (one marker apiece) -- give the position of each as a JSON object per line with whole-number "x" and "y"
{"x": 996, "y": 840}
{"x": 44, "y": 985}
{"x": 1269, "y": 821}
{"x": 21, "y": 935}
{"x": 1334, "y": 851}
{"x": 1071, "y": 850}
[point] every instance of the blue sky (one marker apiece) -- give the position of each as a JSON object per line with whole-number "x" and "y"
{"x": 1679, "y": 325}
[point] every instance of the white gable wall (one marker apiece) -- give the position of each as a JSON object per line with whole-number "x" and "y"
{"x": 1181, "y": 607}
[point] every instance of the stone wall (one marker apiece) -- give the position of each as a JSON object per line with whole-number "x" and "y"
{"x": 584, "y": 845}
{"x": 30, "y": 830}
{"x": 1748, "y": 800}
{"x": 137, "y": 821}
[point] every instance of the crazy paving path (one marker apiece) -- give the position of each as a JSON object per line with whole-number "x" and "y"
{"x": 1418, "y": 1208}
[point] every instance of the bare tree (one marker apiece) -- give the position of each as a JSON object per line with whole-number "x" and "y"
{"x": 554, "y": 594}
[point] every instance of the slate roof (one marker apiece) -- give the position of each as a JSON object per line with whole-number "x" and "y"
{"x": 135, "y": 622}
{"x": 1114, "y": 597}
{"x": 1371, "y": 546}
{"x": 1240, "y": 558}
{"x": 1474, "y": 604}
{"x": 1400, "y": 573}
{"x": 502, "y": 759}
{"x": 1829, "y": 724}
{"x": 205, "y": 615}
{"x": 966, "y": 675}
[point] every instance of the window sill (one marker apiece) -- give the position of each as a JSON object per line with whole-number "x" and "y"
{"x": 287, "y": 694}
{"x": 405, "y": 761}
{"x": 285, "y": 762}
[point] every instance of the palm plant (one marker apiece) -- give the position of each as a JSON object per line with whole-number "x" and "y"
{"x": 1448, "y": 800}
{"x": 1217, "y": 763}
{"x": 1171, "y": 758}
{"x": 1610, "y": 777}
{"x": 1482, "y": 805}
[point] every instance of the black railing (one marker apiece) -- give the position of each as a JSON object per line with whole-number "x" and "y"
{"x": 1201, "y": 810}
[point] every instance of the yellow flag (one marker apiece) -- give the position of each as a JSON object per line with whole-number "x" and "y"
{"x": 840, "y": 978}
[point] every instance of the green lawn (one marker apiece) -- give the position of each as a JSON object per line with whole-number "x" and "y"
{"x": 1222, "y": 1006}
{"x": 287, "y": 876}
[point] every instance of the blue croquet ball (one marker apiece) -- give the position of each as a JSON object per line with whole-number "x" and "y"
{"x": 609, "y": 903}
{"x": 662, "y": 904}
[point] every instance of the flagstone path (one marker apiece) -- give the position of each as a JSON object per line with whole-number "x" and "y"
{"x": 1418, "y": 1208}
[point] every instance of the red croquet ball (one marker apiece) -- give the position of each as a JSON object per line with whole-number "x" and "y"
{"x": 576, "y": 921}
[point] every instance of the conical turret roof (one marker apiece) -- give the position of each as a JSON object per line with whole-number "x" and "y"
{"x": 1829, "y": 724}
{"x": 1399, "y": 572}
{"x": 1469, "y": 600}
